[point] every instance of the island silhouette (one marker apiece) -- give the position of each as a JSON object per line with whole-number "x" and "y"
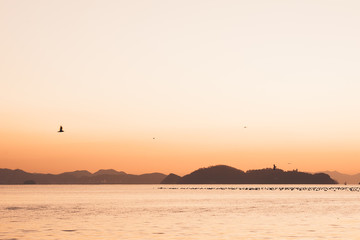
{"x": 220, "y": 174}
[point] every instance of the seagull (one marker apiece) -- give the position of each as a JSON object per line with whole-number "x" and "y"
{"x": 61, "y": 130}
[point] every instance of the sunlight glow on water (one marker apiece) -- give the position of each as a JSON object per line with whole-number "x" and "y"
{"x": 179, "y": 212}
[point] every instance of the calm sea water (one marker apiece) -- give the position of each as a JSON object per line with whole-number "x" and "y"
{"x": 179, "y": 212}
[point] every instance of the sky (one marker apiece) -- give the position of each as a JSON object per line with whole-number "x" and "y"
{"x": 192, "y": 74}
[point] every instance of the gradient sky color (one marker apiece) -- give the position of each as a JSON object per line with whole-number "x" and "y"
{"x": 192, "y": 74}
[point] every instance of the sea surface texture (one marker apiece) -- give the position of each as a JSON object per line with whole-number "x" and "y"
{"x": 34, "y": 212}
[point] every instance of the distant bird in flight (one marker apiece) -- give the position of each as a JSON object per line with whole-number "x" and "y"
{"x": 61, "y": 130}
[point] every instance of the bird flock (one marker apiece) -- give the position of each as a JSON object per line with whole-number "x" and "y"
{"x": 272, "y": 188}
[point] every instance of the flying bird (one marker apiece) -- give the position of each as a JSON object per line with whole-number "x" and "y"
{"x": 61, "y": 130}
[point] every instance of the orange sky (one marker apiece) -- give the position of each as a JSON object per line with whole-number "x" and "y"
{"x": 191, "y": 74}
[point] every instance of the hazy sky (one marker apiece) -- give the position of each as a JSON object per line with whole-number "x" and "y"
{"x": 191, "y": 73}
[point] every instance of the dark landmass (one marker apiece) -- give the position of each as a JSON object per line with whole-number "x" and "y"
{"x": 222, "y": 174}
{"x": 29, "y": 182}
{"x": 171, "y": 179}
{"x": 344, "y": 178}
{"x": 108, "y": 172}
{"x": 110, "y": 176}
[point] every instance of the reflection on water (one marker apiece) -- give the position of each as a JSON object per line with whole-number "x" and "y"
{"x": 179, "y": 212}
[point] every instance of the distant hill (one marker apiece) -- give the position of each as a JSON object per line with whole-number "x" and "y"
{"x": 171, "y": 179}
{"x": 216, "y": 174}
{"x": 79, "y": 173}
{"x": 220, "y": 174}
{"x": 108, "y": 172}
{"x": 223, "y": 174}
{"x": 109, "y": 176}
{"x": 342, "y": 178}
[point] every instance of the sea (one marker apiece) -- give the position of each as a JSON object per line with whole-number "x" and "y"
{"x": 35, "y": 212}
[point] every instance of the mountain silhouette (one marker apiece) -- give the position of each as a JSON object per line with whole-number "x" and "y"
{"x": 344, "y": 178}
{"x": 171, "y": 179}
{"x": 109, "y": 176}
{"x": 216, "y": 174}
{"x": 108, "y": 172}
{"x": 222, "y": 174}
{"x": 78, "y": 173}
